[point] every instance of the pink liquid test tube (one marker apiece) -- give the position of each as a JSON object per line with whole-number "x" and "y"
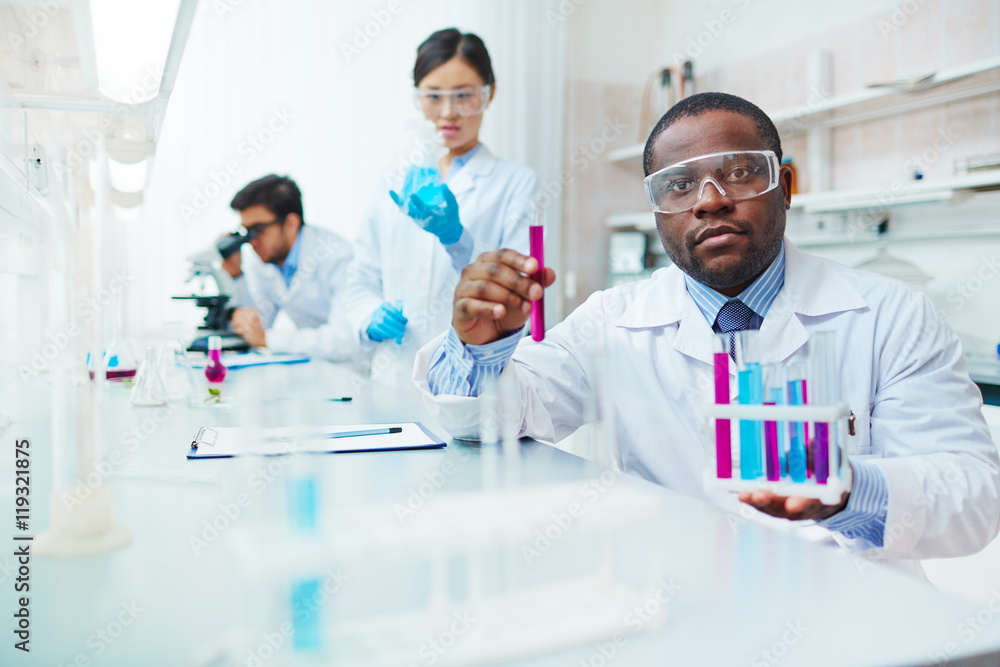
{"x": 771, "y": 458}
{"x": 215, "y": 371}
{"x": 723, "y": 432}
{"x": 536, "y": 238}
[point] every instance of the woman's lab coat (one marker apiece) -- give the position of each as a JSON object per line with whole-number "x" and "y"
{"x": 306, "y": 316}
{"x": 394, "y": 259}
{"x": 901, "y": 370}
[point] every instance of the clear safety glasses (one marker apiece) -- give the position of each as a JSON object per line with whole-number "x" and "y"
{"x": 464, "y": 101}
{"x": 736, "y": 174}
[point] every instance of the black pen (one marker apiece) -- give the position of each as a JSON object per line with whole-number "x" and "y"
{"x": 369, "y": 431}
{"x": 340, "y": 434}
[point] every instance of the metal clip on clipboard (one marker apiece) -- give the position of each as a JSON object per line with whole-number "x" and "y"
{"x": 205, "y": 436}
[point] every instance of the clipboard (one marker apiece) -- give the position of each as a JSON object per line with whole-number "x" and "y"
{"x": 230, "y": 441}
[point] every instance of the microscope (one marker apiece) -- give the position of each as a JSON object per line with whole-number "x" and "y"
{"x": 205, "y": 267}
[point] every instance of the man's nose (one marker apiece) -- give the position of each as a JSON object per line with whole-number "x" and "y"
{"x": 712, "y": 198}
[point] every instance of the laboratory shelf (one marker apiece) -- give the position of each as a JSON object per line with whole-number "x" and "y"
{"x": 948, "y": 190}
{"x": 881, "y": 101}
{"x": 953, "y": 189}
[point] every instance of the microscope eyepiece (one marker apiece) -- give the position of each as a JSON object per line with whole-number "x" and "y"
{"x": 229, "y": 245}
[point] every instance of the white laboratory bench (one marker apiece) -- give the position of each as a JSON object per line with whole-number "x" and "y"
{"x": 745, "y": 595}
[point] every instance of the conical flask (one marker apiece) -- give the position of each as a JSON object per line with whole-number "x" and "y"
{"x": 149, "y": 389}
{"x": 175, "y": 367}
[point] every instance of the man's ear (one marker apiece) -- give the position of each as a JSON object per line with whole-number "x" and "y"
{"x": 785, "y": 180}
{"x": 292, "y": 222}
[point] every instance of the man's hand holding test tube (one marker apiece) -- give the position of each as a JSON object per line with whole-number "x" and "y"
{"x": 495, "y": 294}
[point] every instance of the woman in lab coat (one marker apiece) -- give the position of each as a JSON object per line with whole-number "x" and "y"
{"x": 416, "y": 238}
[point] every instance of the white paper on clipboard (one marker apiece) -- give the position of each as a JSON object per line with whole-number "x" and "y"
{"x": 225, "y": 442}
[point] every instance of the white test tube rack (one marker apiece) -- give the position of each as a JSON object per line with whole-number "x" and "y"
{"x": 839, "y": 480}
{"x": 525, "y": 617}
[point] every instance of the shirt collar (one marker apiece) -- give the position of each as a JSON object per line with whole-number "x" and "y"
{"x": 813, "y": 287}
{"x": 291, "y": 263}
{"x": 758, "y": 296}
{"x": 458, "y": 162}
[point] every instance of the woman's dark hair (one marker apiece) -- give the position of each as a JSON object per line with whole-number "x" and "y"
{"x": 279, "y": 195}
{"x": 446, "y": 44}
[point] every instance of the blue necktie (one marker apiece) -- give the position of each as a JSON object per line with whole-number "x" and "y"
{"x": 734, "y": 316}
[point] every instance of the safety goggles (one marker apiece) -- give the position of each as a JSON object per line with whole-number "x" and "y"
{"x": 735, "y": 174}
{"x": 463, "y": 101}
{"x": 256, "y": 229}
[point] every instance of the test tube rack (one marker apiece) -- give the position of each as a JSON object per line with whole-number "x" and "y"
{"x": 468, "y": 550}
{"x": 834, "y": 417}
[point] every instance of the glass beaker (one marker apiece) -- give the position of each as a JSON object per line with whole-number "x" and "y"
{"x": 149, "y": 389}
{"x": 174, "y": 365}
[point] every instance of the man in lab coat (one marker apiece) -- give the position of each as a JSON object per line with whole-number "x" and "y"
{"x": 288, "y": 290}
{"x": 926, "y": 476}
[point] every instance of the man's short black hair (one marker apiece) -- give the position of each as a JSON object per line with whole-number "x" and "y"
{"x": 279, "y": 194}
{"x": 702, "y": 102}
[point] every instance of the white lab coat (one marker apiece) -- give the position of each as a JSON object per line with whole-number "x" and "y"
{"x": 902, "y": 372}
{"x": 394, "y": 259}
{"x": 304, "y": 317}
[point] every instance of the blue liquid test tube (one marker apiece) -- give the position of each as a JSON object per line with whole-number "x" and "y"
{"x": 796, "y": 430}
{"x": 751, "y": 387}
{"x": 303, "y": 515}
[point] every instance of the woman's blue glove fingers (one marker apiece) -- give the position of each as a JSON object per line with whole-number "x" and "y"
{"x": 387, "y": 322}
{"x": 441, "y": 221}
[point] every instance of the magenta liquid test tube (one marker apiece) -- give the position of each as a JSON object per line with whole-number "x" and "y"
{"x": 536, "y": 238}
{"x": 771, "y": 457}
{"x": 723, "y": 433}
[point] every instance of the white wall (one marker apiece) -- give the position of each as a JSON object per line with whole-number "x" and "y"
{"x": 752, "y": 27}
{"x": 615, "y": 41}
{"x": 261, "y": 63}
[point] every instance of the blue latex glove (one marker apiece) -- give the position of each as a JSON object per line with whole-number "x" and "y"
{"x": 430, "y": 203}
{"x": 387, "y": 322}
